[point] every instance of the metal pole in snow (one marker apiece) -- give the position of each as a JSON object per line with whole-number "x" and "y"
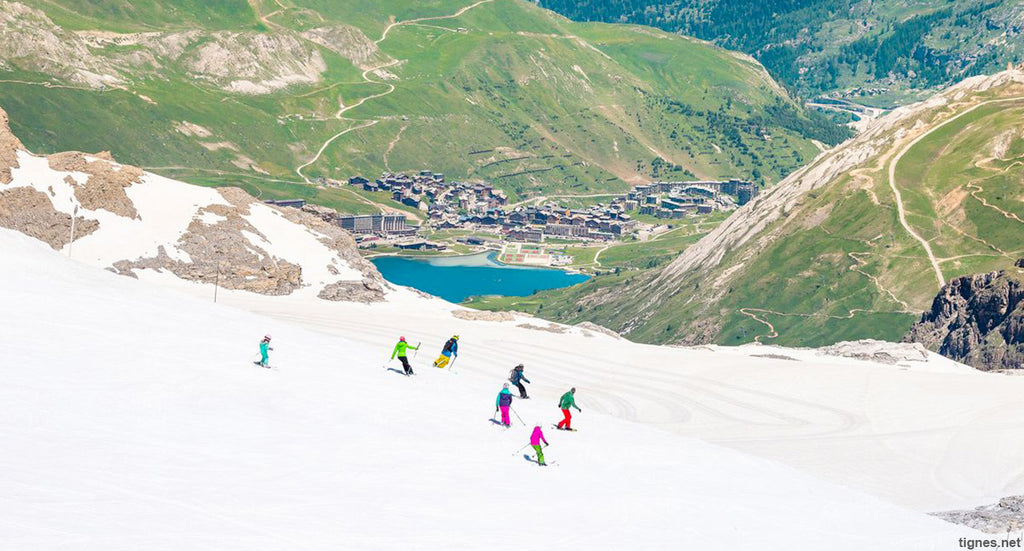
{"x": 72, "y": 240}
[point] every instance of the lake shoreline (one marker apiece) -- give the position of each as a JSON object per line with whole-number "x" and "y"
{"x": 456, "y": 278}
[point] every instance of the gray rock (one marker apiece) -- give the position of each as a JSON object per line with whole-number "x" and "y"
{"x": 1000, "y": 518}
{"x": 977, "y": 320}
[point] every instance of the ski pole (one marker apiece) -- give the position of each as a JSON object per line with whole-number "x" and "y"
{"x": 517, "y": 415}
{"x": 520, "y": 449}
{"x": 451, "y": 363}
{"x": 417, "y": 349}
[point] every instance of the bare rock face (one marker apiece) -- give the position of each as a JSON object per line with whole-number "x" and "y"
{"x": 350, "y": 43}
{"x": 105, "y": 188}
{"x": 590, "y": 326}
{"x": 977, "y": 320}
{"x": 9, "y": 147}
{"x": 255, "y": 63}
{"x": 1000, "y": 518}
{"x": 550, "y": 327}
{"x": 878, "y": 351}
{"x": 31, "y": 212}
{"x": 480, "y": 315}
{"x": 365, "y": 291}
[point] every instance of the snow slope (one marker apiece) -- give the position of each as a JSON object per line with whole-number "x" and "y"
{"x": 133, "y": 419}
{"x": 166, "y": 210}
{"x": 932, "y": 435}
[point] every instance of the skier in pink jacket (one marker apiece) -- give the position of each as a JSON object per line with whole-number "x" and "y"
{"x": 535, "y": 439}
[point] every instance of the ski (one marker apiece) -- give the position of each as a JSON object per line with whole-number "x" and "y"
{"x": 532, "y": 459}
{"x": 556, "y": 427}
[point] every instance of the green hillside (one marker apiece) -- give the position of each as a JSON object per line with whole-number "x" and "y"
{"x": 880, "y": 52}
{"x": 270, "y": 94}
{"x": 839, "y": 264}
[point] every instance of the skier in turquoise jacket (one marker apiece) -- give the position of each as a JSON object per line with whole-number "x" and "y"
{"x": 504, "y": 403}
{"x": 264, "y": 349}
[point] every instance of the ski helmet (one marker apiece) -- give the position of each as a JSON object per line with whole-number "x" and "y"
{"x": 266, "y": 337}
{"x": 573, "y": 390}
{"x": 506, "y": 385}
{"x": 456, "y": 337}
{"x": 519, "y": 367}
{"x": 401, "y": 339}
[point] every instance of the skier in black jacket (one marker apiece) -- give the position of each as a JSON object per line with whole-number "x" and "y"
{"x": 517, "y": 379}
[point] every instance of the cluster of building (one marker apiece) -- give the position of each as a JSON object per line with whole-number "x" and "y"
{"x": 429, "y": 190}
{"x": 458, "y": 205}
{"x": 531, "y": 224}
{"x": 676, "y": 199}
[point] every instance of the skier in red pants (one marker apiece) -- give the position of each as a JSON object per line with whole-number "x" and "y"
{"x": 565, "y": 403}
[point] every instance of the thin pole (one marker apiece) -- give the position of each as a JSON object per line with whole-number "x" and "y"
{"x": 74, "y": 215}
{"x": 517, "y": 415}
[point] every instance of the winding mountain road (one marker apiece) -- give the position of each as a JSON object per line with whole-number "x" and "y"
{"x": 463, "y": 10}
{"x": 366, "y": 77}
{"x": 939, "y": 277}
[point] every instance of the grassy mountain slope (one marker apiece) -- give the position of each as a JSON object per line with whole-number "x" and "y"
{"x": 247, "y": 93}
{"x": 824, "y": 256}
{"x": 898, "y": 47}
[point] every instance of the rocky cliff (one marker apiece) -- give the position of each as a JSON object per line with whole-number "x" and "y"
{"x": 977, "y": 320}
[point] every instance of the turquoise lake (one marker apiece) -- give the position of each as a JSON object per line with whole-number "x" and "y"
{"x": 457, "y": 278}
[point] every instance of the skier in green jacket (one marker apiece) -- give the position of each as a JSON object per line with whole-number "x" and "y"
{"x": 568, "y": 401}
{"x": 400, "y": 350}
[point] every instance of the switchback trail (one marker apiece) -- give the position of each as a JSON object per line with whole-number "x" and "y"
{"x": 366, "y": 77}
{"x": 899, "y": 198}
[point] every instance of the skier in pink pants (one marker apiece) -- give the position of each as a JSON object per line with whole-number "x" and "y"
{"x": 504, "y": 402}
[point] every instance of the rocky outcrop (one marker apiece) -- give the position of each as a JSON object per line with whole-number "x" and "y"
{"x": 877, "y": 351}
{"x": 1000, "y": 518}
{"x": 480, "y": 315}
{"x": 246, "y": 62}
{"x": 105, "y": 188}
{"x": 31, "y": 212}
{"x": 255, "y": 63}
{"x": 365, "y": 291}
{"x": 350, "y": 43}
{"x": 220, "y": 237}
{"x": 977, "y": 320}
{"x": 221, "y": 252}
{"x": 30, "y": 41}
{"x": 590, "y": 326}
{"x": 550, "y": 327}
{"x": 9, "y": 147}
